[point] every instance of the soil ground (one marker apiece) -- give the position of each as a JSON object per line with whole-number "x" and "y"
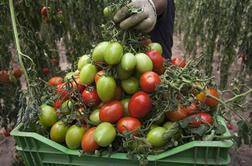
{"x": 240, "y": 157}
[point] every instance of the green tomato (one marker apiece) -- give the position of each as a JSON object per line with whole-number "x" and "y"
{"x": 106, "y": 87}
{"x": 155, "y": 137}
{"x": 85, "y": 59}
{"x": 58, "y": 132}
{"x": 87, "y": 74}
{"x": 94, "y": 117}
{"x": 99, "y": 50}
{"x": 104, "y": 134}
{"x": 113, "y": 53}
{"x": 161, "y": 119}
{"x": 123, "y": 74}
{"x": 107, "y": 11}
{"x": 67, "y": 107}
{"x": 168, "y": 125}
{"x": 125, "y": 103}
{"x": 128, "y": 62}
{"x": 73, "y": 136}
{"x": 157, "y": 47}
{"x": 130, "y": 85}
{"x": 144, "y": 63}
{"x": 47, "y": 116}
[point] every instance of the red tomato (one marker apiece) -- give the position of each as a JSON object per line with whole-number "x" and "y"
{"x": 128, "y": 124}
{"x": 118, "y": 93}
{"x": 204, "y": 97}
{"x": 4, "y": 76}
{"x": 44, "y": 11}
{"x": 149, "y": 81}
{"x": 99, "y": 75}
{"x": 90, "y": 97}
{"x": 177, "y": 115}
{"x": 182, "y": 112}
{"x": 45, "y": 70}
{"x": 54, "y": 81}
{"x": 111, "y": 111}
{"x": 157, "y": 60}
{"x": 180, "y": 61}
{"x": 201, "y": 118}
{"x": 140, "y": 105}
{"x": 193, "y": 108}
{"x": 88, "y": 143}
{"x": 57, "y": 104}
{"x": 80, "y": 87}
{"x": 230, "y": 126}
{"x": 17, "y": 72}
{"x": 62, "y": 91}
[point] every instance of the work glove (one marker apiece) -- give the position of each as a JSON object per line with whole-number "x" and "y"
{"x": 144, "y": 20}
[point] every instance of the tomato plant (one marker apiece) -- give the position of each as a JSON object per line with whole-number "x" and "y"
{"x": 140, "y": 105}
{"x": 88, "y": 143}
{"x": 104, "y": 134}
{"x": 111, "y": 111}
{"x": 128, "y": 124}
{"x": 149, "y": 82}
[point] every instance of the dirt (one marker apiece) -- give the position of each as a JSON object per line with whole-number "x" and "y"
{"x": 240, "y": 157}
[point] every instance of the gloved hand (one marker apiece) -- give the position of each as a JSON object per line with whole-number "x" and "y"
{"x": 144, "y": 21}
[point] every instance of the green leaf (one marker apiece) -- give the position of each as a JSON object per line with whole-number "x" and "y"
{"x": 201, "y": 130}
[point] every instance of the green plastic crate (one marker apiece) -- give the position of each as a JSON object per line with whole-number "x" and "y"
{"x": 37, "y": 150}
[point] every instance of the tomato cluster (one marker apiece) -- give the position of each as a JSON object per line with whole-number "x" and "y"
{"x": 115, "y": 98}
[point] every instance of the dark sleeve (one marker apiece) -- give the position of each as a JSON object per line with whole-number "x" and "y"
{"x": 163, "y": 31}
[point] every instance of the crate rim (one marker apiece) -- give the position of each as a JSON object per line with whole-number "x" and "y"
{"x": 218, "y": 144}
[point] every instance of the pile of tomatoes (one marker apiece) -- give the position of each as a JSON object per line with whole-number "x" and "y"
{"x": 110, "y": 95}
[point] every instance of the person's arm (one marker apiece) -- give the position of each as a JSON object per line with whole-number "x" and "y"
{"x": 144, "y": 21}
{"x": 160, "y": 5}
